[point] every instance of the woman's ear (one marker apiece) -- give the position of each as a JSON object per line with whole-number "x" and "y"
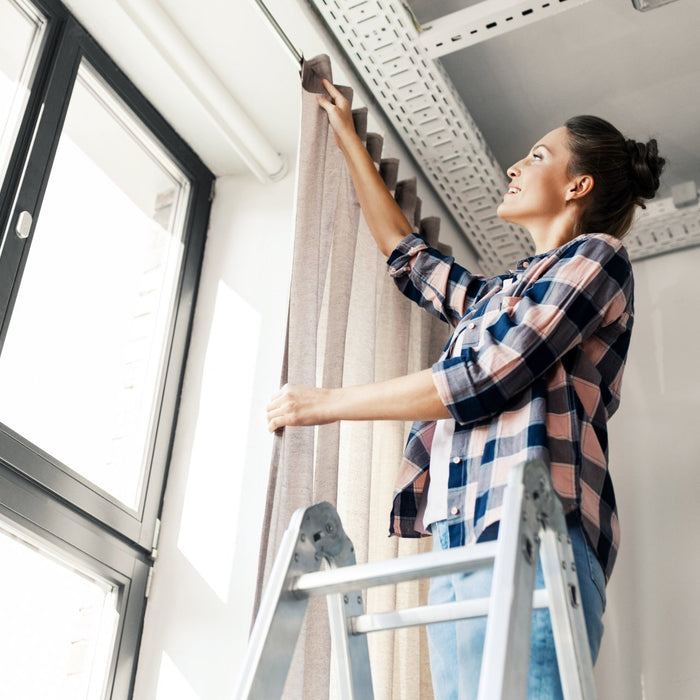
{"x": 579, "y": 187}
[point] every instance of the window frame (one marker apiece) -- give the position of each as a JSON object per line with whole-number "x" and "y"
{"x": 38, "y": 494}
{"x": 74, "y": 537}
{"x": 74, "y": 45}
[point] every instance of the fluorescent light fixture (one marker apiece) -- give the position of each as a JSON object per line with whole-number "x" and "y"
{"x": 644, "y": 5}
{"x": 236, "y": 126}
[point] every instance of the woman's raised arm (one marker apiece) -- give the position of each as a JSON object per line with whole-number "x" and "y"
{"x": 384, "y": 217}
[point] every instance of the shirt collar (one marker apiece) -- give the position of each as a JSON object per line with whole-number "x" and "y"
{"x": 524, "y": 263}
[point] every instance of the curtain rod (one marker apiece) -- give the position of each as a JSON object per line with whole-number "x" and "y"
{"x": 280, "y": 32}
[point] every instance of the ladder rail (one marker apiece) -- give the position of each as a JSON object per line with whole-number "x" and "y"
{"x": 568, "y": 622}
{"x": 506, "y": 655}
{"x": 276, "y": 627}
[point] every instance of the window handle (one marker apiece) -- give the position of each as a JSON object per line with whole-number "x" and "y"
{"x": 24, "y": 224}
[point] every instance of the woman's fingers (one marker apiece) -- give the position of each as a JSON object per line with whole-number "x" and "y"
{"x": 283, "y": 408}
{"x": 275, "y": 411}
{"x": 338, "y": 109}
{"x": 333, "y": 91}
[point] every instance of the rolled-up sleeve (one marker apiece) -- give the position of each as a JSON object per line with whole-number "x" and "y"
{"x": 435, "y": 281}
{"x": 588, "y": 287}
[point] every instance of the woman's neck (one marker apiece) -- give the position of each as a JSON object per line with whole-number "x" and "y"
{"x": 552, "y": 234}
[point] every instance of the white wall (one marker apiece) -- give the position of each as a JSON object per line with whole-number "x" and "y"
{"x": 651, "y": 644}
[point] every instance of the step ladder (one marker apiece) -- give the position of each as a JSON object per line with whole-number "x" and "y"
{"x": 532, "y": 525}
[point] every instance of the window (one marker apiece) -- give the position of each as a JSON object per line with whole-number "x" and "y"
{"x": 63, "y": 619}
{"x": 22, "y": 28}
{"x": 103, "y": 213}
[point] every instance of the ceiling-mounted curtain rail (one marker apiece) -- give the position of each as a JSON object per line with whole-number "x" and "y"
{"x": 298, "y": 57}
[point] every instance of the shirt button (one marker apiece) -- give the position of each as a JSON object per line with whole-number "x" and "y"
{"x": 454, "y": 510}
{"x": 526, "y": 264}
{"x": 471, "y": 326}
{"x": 456, "y": 460}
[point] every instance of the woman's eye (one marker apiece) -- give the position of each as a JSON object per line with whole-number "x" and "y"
{"x": 537, "y": 156}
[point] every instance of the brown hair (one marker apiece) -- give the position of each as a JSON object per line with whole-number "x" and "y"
{"x": 625, "y": 172}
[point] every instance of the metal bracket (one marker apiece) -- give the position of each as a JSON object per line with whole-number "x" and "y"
{"x": 486, "y": 20}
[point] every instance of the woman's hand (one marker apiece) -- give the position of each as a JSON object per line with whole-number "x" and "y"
{"x": 384, "y": 217}
{"x": 339, "y": 113}
{"x": 298, "y": 405}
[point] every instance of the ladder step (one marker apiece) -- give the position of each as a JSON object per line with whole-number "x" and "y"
{"x": 345, "y": 579}
{"x": 426, "y": 615}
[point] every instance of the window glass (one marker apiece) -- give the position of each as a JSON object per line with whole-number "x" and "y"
{"x": 22, "y": 29}
{"x": 58, "y": 624}
{"x": 82, "y": 365}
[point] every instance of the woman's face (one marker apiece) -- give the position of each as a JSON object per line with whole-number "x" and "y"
{"x": 540, "y": 184}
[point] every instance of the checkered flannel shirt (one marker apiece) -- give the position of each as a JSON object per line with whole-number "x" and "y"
{"x": 538, "y": 376}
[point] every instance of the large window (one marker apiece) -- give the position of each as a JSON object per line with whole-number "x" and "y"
{"x": 103, "y": 213}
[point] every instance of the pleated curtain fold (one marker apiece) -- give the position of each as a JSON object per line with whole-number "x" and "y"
{"x": 348, "y": 325}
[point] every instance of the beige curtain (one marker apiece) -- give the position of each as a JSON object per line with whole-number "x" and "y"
{"x": 348, "y": 325}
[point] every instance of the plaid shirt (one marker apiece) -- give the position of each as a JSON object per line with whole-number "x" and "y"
{"x": 538, "y": 376}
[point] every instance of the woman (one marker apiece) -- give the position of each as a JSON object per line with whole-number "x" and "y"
{"x": 533, "y": 370}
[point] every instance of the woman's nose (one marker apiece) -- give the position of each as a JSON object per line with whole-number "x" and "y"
{"x": 513, "y": 171}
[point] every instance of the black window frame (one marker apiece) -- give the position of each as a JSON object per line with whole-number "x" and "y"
{"x": 38, "y": 492}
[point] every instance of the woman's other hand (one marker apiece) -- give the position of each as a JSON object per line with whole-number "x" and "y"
{"x": 298, "y": 405}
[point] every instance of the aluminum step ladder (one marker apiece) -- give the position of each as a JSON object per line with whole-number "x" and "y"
{"x": 532, "y": 525}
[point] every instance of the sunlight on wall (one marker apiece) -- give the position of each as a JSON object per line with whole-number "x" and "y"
{"x": 214, "y": 485}
{"x": 171, "y": 683}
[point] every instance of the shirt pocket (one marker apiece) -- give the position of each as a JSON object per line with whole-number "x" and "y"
{"x": 494, "y": 313}
{"x": 509, "y": 305}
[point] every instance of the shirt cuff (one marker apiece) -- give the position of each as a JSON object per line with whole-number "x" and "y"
{"x": 454, "y": 387}
{"x": 401, "y": 259}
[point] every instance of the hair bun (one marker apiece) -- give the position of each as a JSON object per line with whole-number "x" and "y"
{"x": 646, "y": 167}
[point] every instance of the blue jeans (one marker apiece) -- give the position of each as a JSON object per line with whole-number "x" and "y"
{"x": 456, "y": 647}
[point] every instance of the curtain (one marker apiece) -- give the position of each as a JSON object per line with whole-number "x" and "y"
{"x": 348, "y": 325}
